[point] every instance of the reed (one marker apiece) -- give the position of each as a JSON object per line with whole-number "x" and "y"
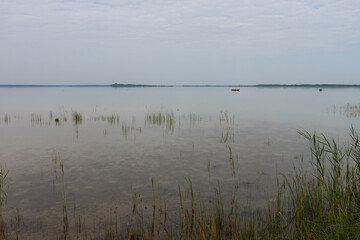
{"x": 228, "y": 127}
{"x": 3, "y": 197}
{"x": 64, "y": 204}
{"x": 159, "y": 119}
{"x": 113, "y": 118}
{"x": 36, "y": 119}
{"x": 77, "y": 118}
{"x": 3, "y": 194}
{"x": 7, "y": 118}
{"x": 324, "y": 204}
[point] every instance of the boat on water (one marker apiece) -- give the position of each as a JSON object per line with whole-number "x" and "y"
{"x": 235, "y": 90}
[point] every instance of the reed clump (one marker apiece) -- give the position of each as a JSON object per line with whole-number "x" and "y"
{"x": 7, "y": 118}
{"x": 77, "y": 117}
{"x": 323, "y": 204}
{"x": 166, "y": 119}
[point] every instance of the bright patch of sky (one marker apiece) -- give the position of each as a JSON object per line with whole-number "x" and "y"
{"x": 179, "y": 41}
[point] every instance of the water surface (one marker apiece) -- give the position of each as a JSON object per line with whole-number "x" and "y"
{"x": 129, "y": 135}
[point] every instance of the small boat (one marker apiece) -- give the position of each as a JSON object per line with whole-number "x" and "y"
{"x": 320, "y": 89}
{"x": 235, "y": 90}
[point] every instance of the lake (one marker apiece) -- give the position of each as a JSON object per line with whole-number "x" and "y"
{"x": 112, "y": 141}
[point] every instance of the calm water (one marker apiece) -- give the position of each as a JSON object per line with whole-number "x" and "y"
{"x": 127, "y": 136}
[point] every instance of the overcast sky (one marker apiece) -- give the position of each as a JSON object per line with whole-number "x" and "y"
{"x": 179, "y": 41}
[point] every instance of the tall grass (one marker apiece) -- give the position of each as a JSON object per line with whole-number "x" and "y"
{"x": 3, "y": 197}
{"x": 323, "y": 204}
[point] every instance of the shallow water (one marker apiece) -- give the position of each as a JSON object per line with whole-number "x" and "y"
{"x": 123, "y": 141}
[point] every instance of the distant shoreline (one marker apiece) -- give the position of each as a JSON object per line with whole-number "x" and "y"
{"x": 308, "y": 85}
{"x": 116, "y": 85}
{"x": 37, "y": 86}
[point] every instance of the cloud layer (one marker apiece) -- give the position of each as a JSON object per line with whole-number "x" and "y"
{"x": 196, "y": 41}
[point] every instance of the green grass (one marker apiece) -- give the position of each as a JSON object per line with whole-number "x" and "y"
{"x": 324, "y": 204}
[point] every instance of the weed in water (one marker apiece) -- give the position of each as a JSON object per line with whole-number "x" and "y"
{"x": 3, "y": 197}
{"x": 7, "y": 118}
{"x": 77, "y": 118}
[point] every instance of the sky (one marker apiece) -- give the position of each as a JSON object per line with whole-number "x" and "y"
{"x": 179, "y": 41}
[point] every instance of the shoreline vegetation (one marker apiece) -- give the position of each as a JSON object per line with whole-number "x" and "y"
{"x": 120, "y": 85}
{"x": 321, "y": 203}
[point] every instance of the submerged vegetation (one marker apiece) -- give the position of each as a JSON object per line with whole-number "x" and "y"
{"x": 320, "y": 203}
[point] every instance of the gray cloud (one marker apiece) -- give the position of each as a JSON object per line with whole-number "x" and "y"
{"x": 169, "y": 41}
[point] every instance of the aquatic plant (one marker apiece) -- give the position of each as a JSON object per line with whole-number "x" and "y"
{"x": 160, "y": 119}
{"x": 57, "y": 121}
{"x": 228, "y": 127}
{"x": 194, "y": 119}
{"x": 7, "y": 118}
{"x": 112, "y": 119}
{"x": 326, "y": 203}
{"x": 77, "y": 117}
{"x": 3, "y": 197}
{"x": 35, "y": 119}
{"x": 64, "y": 205}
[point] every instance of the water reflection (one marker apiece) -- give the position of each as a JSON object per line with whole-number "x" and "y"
{"x": 36, "y": 119}
{"x": 112, "y": 119}
{"x": 352, "y": 111}
{"x": 228, "y": 127}
{"x": 348, "y": 110}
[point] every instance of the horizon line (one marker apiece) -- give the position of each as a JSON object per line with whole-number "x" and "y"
{"x": 119, "y": 85}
